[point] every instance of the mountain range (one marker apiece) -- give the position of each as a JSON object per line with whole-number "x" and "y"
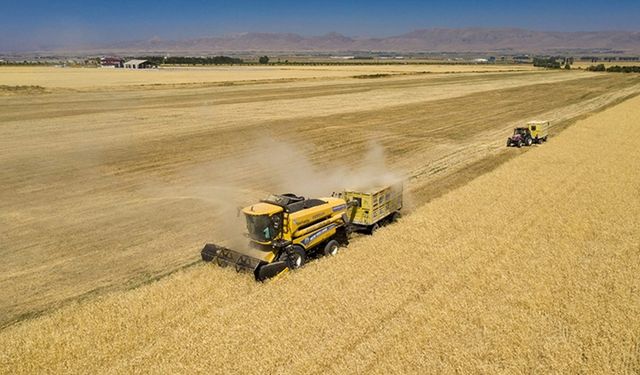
{"x": 503, "y": 40}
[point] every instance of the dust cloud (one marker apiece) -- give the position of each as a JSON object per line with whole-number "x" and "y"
{"x": 290, "y": 170}
{"x": 271, "y": 166}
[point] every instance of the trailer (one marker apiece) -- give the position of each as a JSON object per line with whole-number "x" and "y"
{"x": 375, "y": 207}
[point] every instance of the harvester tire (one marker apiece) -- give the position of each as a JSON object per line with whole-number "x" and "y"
{"x": 519, "y": 144}
{"x": 508, "y": 142}
{"x": 295, "y": 258}
{"x": 331, "y": 248}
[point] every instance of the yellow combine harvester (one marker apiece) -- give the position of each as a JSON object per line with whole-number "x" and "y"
{"x": 284, "y": 230}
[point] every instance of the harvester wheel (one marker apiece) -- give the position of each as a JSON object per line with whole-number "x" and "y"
{"x": 508, "y": 142}
{"x": 331, "y": 248}
{"x": 519, "y": 144}
{"x": 295, "y": 257}
{"x": 529, "y": 141}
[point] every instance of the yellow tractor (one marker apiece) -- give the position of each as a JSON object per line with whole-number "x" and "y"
{"x": 284, "y": 231}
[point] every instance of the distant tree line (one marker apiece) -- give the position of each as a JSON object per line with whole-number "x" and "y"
{"x": 597, "y": 68}
{"x": 546, "y": 62}
{"x": 609, "y": 59}
{"x": 614, "y": 69}
{"x": 183, "y": 60}
{"x": 553, "y": 62}
{"x": 25, "y": 62}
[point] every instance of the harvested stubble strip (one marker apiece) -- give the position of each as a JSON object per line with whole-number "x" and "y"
{"x": 530, "y": 268}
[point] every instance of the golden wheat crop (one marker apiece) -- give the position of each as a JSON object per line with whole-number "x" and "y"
{"x": 532, "y": 267}
{"x": 110, "y": 188}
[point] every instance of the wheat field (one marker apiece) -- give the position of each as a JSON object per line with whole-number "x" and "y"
{"x": 529, "y": 268}
{"x": 107, "y": 189}
{"x": 87, "y": 78}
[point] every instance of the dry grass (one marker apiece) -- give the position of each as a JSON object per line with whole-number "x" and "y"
{"x": 531, "y": 268}
{"x": 109, "y": 189}
{"x": 21, "y": 90}
{"x": 83, "y": 78}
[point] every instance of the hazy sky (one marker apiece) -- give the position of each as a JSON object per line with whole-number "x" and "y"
{"x": 29, "y": 24}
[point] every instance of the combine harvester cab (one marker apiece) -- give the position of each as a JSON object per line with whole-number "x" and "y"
{"x": 284, "y": 230}
{"x": 375, "y": 207}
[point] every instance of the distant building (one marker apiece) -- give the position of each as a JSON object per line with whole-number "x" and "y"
{"x": 111, "y": 62}
{"x": 138, "y": 64}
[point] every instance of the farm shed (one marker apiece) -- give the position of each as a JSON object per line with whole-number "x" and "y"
{"x": 138, "y": 64}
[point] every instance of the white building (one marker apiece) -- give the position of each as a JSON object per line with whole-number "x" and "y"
{"x": 138, "y": 64}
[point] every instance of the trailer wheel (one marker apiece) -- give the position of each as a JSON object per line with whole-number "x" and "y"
{"x": 295, "y": 257}
{"x": 331, "y": 248}
{"x": 374, "y": 228}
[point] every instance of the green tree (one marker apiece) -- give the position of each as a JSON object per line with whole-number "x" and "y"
{"x": 597, "y": 68}
{"x": 546, "y": 62}
{"x": 263, "y": 59}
